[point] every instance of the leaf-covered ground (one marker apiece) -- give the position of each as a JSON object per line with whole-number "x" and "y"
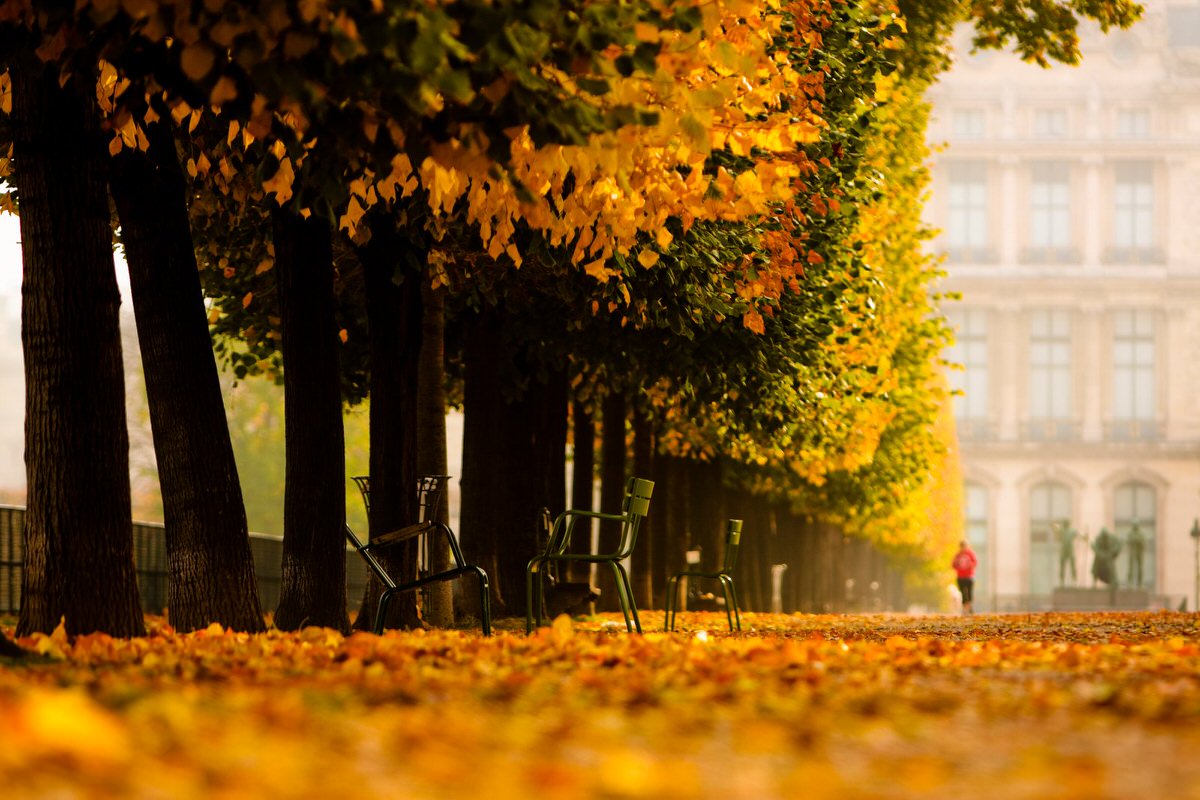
{"x": 1035, "y": 706}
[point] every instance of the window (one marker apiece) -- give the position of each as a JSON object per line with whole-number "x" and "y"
{"x": 968, "y": 123}
{"x": 1049, "y": 503}
{"x": 1136, "y": 504}
{"x": 967, "y": 218}
{"x": 1135, "y": 396}
{"x": 1133, "y": 213}
{"x": 1049, "y": 123}
{"x": 1183, "y": 26}
{"x": 971, "y": 407}
{"x": 1133, "y": 123}
{"x": 1049, "y": 211}
{"x": 977, "y": 535}
{"x": 1050, "y": 384}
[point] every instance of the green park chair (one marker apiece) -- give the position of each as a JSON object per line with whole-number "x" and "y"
{"x": 633, "y": 511}
{"x": 733, "y": 538}
{"x": 425, "y": 532}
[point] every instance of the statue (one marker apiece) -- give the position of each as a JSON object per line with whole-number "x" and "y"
{"x": 1137, "y": 547}
{"x": 1105, "y": 550}
{"x": 1066, "y": 536}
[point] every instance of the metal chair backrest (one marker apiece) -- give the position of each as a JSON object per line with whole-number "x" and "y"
{"x": 733, "y": 538}
{"x": 635, "y": 508}
{"x": 430, "y": 489}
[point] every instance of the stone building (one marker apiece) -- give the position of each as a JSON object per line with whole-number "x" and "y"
{"x": 1069, "y": 205}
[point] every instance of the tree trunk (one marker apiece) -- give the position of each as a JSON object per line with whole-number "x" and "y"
{"x": 313, "y": 589}
{"x": 431, "y": 442}
{"x": 394, "y": 319}
{"x": 210, "y": 568}
{"x": 707, "y": 506}
{"x": 78, "y": 529}
{"x": 645, "y": 556}
{"x": 583, "y": 476}
{"x": 677, "y": 515}
{"x": 612, "y": 489}
{"x": 660, "y": 527}
{"x": 483, "y": 420}
{"x": 521, "y": 499}
{"x": 550, "y": 441}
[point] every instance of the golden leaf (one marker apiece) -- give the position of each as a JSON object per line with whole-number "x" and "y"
{"x": 280, "y": 184}
{"x": 197, "y": 60}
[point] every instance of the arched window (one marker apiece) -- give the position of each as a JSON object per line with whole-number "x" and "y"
{"x": 1136, "y": 503}
{"x": 1049, "y": 503}
{"x": 977, "y": 508}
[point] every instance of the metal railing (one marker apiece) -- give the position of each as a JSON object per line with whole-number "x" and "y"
{"x": 150, "y": 561}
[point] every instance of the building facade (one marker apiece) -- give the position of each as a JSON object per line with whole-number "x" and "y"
{"x": 1068, "y": 201}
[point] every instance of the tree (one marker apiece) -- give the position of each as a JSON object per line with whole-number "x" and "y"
{"x": 78, "y": 542}
{"x": 314, "y": 514}
{"x": 210, "y": 570}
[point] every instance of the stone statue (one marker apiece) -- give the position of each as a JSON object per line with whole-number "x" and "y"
{"x": 1066, "y": 536}
{"x": 1137, "y": 548}
{"x": 1106, "y": 548}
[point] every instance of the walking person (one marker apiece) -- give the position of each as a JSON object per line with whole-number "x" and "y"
{"x": 964, "y": 564}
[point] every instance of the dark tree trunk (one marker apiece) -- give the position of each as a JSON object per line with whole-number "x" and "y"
{"x": 210, "y": 568}
{"x": 483, "y": 421}
{"x": 313, "y": 589}
{"x": 645, "y": 556}
{"x": 676, "y": 505}
{"x": 78, "y": 530}
{"x": 660, "y": 527}
{"x": 431, "y": 442}
{"x": 550, "y": 441}
{"x": 583, "y": 475}
{"x": 520, "y": 503}
{"x": 612, "y": 488}
{"x": 394, "y": 319}
{"x": 707, "y": 507}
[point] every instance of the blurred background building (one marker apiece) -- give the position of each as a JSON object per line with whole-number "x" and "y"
{"x": 1069, "y": 205}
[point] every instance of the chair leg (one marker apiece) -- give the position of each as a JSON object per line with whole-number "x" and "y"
{"x": 728, "y": 600}
{"x": 670, "y": 604}
{"x": 485, "y": 601}
{"x": 737, "y": 615}
{"x": 533, "y": 614}
{"x": 385, "y": 600}
{"x": 630, "y": 603}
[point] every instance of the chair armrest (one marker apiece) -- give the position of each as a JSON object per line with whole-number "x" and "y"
{"x": 564, "y": 527}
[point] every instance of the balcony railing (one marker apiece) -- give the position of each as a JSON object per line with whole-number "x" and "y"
{"x": 976, "y": 430}
{"x": 1050, "y": 430}
{"x": 971, "y": 255}
{"x": 1134, "y": 255}
{"x": 1134, "y": 430}
{"x": 1051, "y": 255}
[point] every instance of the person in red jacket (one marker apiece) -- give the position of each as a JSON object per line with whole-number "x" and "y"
{"x": 964, "y": 564}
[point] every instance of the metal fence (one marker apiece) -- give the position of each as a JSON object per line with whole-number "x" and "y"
{"x": 150, "y": 560}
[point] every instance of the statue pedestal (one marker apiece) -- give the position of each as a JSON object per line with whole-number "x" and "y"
{"x": 1077, "y": 598}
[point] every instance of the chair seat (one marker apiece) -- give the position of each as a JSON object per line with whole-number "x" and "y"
{"x": 401, "y": 535}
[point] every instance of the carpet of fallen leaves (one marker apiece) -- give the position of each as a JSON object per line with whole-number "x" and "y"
{"x": 1004, "y": 706}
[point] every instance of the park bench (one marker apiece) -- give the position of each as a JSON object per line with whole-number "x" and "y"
{"x": 633, "y": 510}
{"x": 426, "y": 533}
{"x": 733, "y": 538}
